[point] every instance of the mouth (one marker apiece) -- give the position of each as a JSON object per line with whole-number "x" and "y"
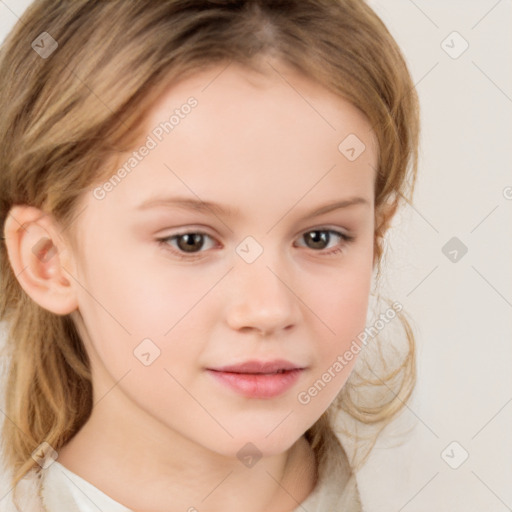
{"x": 257, "y": 379}
{"x": 260, "y": 367}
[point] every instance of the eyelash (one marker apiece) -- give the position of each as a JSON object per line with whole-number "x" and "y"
{"x": 163, "y": 242}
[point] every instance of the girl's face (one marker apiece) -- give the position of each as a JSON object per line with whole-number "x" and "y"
{"x": 169, "y": 289}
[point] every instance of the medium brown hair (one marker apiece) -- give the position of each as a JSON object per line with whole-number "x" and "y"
{"x": 65, "y": 118}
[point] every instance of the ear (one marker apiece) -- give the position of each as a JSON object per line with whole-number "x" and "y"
{"x": 383, "y": 216}
{"x": 39, "y": 257}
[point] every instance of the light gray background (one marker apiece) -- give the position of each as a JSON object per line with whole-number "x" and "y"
{"x": 462, "y": 311}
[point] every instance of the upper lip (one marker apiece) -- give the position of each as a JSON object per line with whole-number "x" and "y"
{"x": 255, "y": 366}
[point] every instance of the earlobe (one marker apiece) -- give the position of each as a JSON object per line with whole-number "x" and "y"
{"x": 37, "y": 256}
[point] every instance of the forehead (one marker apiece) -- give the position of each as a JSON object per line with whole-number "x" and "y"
{"x": 279, "y": 136}
{"x": 276, "y": 99}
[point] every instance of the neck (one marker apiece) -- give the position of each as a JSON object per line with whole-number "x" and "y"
{"x": 175, "y": 474}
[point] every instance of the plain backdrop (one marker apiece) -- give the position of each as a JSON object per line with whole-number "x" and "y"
{"x": 459, "y": 53}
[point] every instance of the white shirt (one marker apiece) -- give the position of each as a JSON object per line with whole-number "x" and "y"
{"x": 64, "y": 491}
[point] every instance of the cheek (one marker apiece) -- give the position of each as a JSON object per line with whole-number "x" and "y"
{"x": 341, "y": 302}
{"x": 153, "y": 315}
{"x": 344, "y": 312}
{"x": 350, "y": 309}
{"x": 340, "y": 297}
{"x": 138, "y": 290}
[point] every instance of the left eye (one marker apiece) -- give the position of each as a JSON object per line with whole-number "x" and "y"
{"x": 319, "y": 237}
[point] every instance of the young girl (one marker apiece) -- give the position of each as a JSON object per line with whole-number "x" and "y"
{"x": 147, "y": 374}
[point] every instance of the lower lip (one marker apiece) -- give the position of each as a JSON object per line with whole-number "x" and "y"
{"x": 255, "y": 385}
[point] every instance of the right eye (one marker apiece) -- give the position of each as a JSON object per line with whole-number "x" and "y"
{"x": 190, "y": 242}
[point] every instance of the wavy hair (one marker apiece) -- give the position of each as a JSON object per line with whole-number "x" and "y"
{"x": 66, "y": 117}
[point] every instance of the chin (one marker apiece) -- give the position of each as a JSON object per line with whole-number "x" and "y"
{"x": 259, "y": 442}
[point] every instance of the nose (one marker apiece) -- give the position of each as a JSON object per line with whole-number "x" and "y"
{"x": 261, "y": 298}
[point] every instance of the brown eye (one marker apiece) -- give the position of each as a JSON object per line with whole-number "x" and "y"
{"x": 327, "y": 242}
{"x": 317, "y": 239}
{"x": 190, "y": 242}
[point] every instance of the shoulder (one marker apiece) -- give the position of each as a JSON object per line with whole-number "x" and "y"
{"x": 350, "y": 500}
{"x": 25, "y": 497}
{"x": 337, "y": 488}
{"x": 340, "y": 490}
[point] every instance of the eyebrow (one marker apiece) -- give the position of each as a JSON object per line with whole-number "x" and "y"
{"x": 211, "y": 207}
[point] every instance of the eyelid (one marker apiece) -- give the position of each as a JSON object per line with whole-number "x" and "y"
{"x": 324, "y": 227}
{"x": 336, "y": 231}
{"x": 199, "y": 229}
{"x": 202, "y": 230}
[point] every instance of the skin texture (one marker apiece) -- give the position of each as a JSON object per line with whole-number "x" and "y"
{"x": 165, "y": 437}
